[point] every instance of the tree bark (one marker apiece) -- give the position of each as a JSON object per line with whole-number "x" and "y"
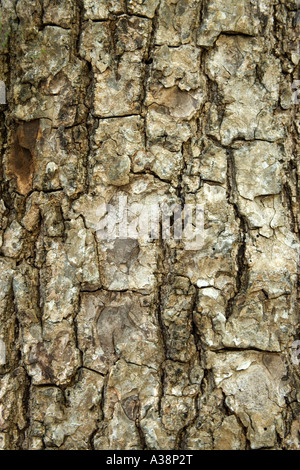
{"x": 123, "y": 342}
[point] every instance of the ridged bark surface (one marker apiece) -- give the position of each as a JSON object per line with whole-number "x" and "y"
{"x": 132, "y": 343}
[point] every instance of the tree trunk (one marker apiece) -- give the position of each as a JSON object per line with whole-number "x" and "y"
{"x": 117, "y": 337}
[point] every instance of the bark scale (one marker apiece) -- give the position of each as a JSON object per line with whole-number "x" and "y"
{"x": 148, "y": 344}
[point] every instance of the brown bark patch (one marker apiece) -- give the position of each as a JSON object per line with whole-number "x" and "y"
{"x": 21, "y": 160}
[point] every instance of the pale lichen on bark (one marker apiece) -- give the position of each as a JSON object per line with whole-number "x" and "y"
{"x": 127, "y": 344}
